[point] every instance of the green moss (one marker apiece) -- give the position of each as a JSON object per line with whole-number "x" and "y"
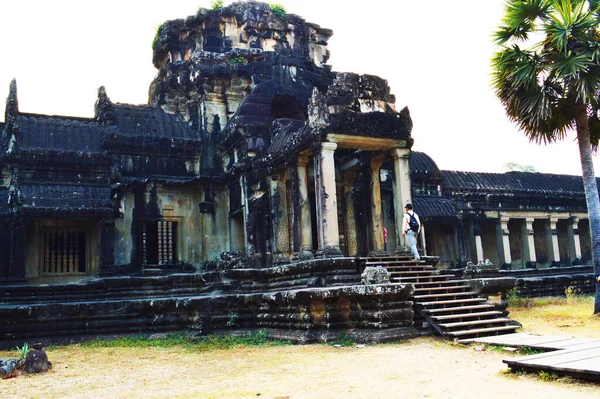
{"x": 217, "y": 5}
{"x": 279, "y": 11}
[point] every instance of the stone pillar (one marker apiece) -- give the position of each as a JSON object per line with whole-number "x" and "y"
{"x": 106, "y": 255}
{"x": 461, "y": 242}
{"x": 552, "y": 241}
{"x": 423, "y": 242}
{"x": 478, "y": 242}
{"x": 402, "y": 194}
{"x": 305, "y": 219}
{"x": 574, "y": 242}
{"x": 503, "y": 241}
{"x": 325, "y": 192}
{"x": 528, "y": 243}
{"x": 376, "y": 212}
{"x": 351, "y": 233}
{"x": 16, "y": 267}
{"x": 281, "y": 232}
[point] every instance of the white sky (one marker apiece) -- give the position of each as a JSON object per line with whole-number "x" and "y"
{"x": 435, "y": 55}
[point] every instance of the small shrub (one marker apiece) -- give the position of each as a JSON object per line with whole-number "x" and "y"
{"x": 548, "y": 376}
{"x": 216, "y": 5}
{"x": 236, "y": 60}
{"x": 23, "y": 350}
{"x": 572, "y": 293}
{"x": 343, "y": 339}
{"x": 279, "y": 11}
{"x": 513, "y": 298}
{"x": 232, "y": 319}
{"x": 157, "y": 31}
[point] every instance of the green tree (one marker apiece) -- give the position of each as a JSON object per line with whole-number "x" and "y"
{"x": 517, "y": 167}
{"x": 547, "y": 75}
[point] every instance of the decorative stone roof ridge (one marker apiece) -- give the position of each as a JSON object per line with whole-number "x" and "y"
{"x": 129, "y": 181}
{"x": 290, "y": 137}
{"x": 513, "y": 183}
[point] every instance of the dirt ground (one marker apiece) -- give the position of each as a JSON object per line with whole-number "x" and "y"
{"x": 421, "y": 368}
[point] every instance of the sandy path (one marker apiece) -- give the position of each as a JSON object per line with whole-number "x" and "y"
{"x": 422, "y": 368}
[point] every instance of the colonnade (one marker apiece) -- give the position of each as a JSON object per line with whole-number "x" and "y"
{"x": 292, "y": 212}
{"x": 517, "y": 236}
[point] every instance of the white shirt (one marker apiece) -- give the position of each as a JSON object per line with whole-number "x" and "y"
{"x": 406, "y": 220}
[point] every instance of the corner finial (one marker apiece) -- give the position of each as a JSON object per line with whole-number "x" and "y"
{"x": 12, "y": 101}
{"x": 102, "y": 103}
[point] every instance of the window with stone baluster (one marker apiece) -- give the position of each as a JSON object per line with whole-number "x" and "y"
{"x": 159, "y": 242}
{"x": 64, "y": 252}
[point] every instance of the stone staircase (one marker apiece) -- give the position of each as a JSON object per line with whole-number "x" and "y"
{"x": 443, "y": 303}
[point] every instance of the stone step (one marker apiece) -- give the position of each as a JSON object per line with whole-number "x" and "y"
{"x": 457, "y": 295}
{"x": 462, "y": 316}
{"x": 442, "y": 304}
{"x": 482, "y": 331}
{"x": 431, "y": 312}
{"x": 439, "y": 283}
{"x": 396, "y": 262}
{"x": 499, "y": 320}
{"x": 418, "y": 279}
{"x": 415, "y": 267}
{"x": 442, "y": 289}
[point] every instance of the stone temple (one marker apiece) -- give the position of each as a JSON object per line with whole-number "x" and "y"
{"x": 250, "y": 192}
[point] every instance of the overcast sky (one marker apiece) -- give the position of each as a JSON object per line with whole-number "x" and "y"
{"x": 434, "y": 54}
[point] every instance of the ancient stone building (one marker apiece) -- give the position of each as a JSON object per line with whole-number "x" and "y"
{"x": 249, "y": 143}
{"x": 514, "y": 219}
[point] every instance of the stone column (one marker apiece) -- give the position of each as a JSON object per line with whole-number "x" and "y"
{"x": 305, "y": 219}
{"x": 574, "y": 242}
{"x": 528, "y": 243}
{"x": 107, "y": 245}
{"x": 325, "y": 192}
{"x": 281, "y": 232}
{"x": 351, "y": 233}
{"x": 478, "y": 242}
{"x": 461, "y": 242}
{"x": 376, "y": 212}
{"x": 423, "y": 242}
{"x": 503, "y": 241}
{"x": 552, "y": 241}
{"x": 16, "y": 267}
{"x": 402, "y": 194}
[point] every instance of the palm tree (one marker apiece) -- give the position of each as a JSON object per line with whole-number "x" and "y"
{"x": 547, "y": 75}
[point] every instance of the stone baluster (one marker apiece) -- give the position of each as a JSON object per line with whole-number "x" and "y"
{"x": 478, "y": 242}
{"x": 304, "y": 208}
{"x": 552, "y": 241}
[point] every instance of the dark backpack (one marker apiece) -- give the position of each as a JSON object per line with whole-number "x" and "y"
{"x": 412, "y": 222}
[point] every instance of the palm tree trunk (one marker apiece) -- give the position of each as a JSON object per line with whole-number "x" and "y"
{"x": 591, "y": 190}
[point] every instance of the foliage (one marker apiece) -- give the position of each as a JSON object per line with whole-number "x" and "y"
{"x": 232, "y": 319}
{"x": 547, "y": 75}
{"x": 279, "y": 11}
{"x": 513, "y": 299}
{"x": 548, "y": 376}
{"x": 237, "y": 60}
{"x": 157, "y": 31}
{"x": 513, "y": 166}
{"x": 23, "y": 350}
{"x": 571, "y": 293}
{"x": 343, "y": 339}
{"x": 216, "y": 5}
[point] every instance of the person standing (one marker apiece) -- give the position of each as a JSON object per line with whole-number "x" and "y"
{"x": 411, "y": 226}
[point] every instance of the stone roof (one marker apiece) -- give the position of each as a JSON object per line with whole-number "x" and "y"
{"x": 58, "y": 133}
{"x": 422, "y": 165}
{"x": 524, "y": 183}
{"x": 144, "y": 120}
{"x": 66, "y": 198}
{"x": 435, "y": 208}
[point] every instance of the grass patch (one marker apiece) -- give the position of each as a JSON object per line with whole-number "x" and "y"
{"x": 556, "y": 315}
{"x": 184, "y": 341}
